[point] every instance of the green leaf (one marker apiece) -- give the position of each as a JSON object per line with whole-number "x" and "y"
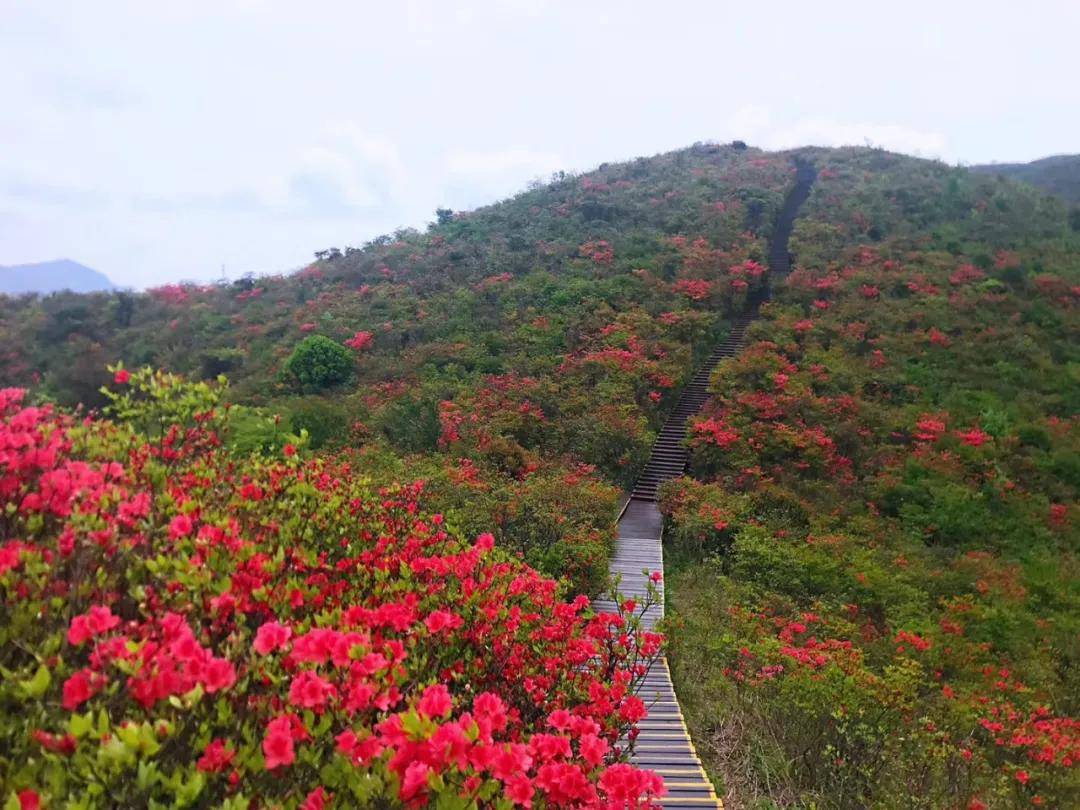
{"x": 35, "y": 687}
{"x": 80, "y": 724}
{"x": 412, "y": 724}
{"x": 190, "y": 790}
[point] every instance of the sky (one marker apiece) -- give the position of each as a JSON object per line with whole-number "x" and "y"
{"x": 162, "y": 141}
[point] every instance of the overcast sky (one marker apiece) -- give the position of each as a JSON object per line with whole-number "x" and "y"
{"x": 158, "y": 141}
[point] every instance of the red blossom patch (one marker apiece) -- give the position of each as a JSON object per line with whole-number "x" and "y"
{"x": 330, "y": 649}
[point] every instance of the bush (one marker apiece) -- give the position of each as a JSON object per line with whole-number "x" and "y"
{"x": 185, "y": 627}
{"x": 411, "y": 424}
{"x": 318, "y": 363}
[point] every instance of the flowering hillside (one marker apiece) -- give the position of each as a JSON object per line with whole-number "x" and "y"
{"x": 517, "y": 358}
{"x": 877, "y": 590}
{"x": 225, "y": 596}
{"x": 184, "y": 626}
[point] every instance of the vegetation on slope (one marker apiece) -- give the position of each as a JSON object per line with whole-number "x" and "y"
{"x": 518, "y": 358}
{"x": 876, "y": 564}
{"x": 1058, "y": 174}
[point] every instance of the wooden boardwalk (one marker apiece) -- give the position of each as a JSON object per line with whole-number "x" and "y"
{"x": 664, "y": 743}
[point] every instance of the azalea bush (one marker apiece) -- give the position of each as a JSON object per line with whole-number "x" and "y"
{"x": 185, "y": 625}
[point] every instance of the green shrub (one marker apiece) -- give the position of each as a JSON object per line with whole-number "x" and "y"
{"x": 318, "y": 363}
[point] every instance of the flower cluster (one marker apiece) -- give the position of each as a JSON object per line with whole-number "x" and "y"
{"x": 194, "y": 626}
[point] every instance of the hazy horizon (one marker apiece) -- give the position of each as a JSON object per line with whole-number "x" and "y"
{"x": 157, "y": 144}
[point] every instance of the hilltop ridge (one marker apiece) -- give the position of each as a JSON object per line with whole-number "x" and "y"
{"x": 1057, "y": 174}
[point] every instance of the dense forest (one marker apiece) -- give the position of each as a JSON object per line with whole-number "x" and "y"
{"x": 872, "y": 575}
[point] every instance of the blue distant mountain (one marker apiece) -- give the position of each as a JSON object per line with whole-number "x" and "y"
{"x": 46, "y": 277}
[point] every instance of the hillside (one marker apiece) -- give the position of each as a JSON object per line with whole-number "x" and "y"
{"x": 47, "y": 277}
{"x": 518, "y": 357}
{"x": 874, "y": 563}
{"x": 871, "y": 571}
{"x": 1058, "y": 174}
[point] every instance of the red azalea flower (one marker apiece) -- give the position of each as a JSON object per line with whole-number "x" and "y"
{"x": 415, "y": 781}
{"x": 65, "y": 745}
{"x": 317, "y": 799}
{"x": 435, "y": 702}
{"x": 271, "y": 636}
{"x": 220, "y": 674}
{"x": 78, "y": 689}
{"x": 216, "y": 756}
{"x": 593, "y": 749}
{"x": 974, "y": 437}
{"x": 440, "y": 620}
{"x": 278, "y": 743}
{"x": 309, "y": 691}
{"x": 519, "y": 789}
{"x": 180, "y": 526}
{"x": 94, "y": 622}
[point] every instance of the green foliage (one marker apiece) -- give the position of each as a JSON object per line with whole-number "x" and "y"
{"x": 253, "y": 431}
{"x": 411, "y": 424}
{"x": 325, "y": 421}
{"x": 158, "y": 404}
{"x": 1059, "y": 174}
{"x": 318, "y": 363}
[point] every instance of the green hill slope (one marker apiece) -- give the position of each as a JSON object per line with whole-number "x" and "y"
{"x": 874, "y": 566}
{"x": 511, "y": 356}
{"x": 1059, "y": 174}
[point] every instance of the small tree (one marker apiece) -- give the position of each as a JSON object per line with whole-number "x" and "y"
{"x": 318, "y": 363}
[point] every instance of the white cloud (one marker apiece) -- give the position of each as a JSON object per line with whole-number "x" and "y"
{"x": 471, "y": 178}
{"x": 755, "y": 124}
{"x": 828, "y": 132}
{"x": 428, "y": 17}
{"x": 501, "y": 161}
{"x": 342, "y": 170}
{"x": 332, "y": 169}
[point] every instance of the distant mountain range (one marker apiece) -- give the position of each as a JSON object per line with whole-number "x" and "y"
{"x": 1059, "y": 174}
{"x": 46, "y": 277}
